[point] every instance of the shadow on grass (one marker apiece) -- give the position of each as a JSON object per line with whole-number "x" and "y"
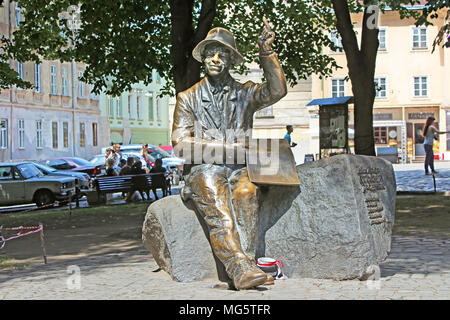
{"x": 81, "y": 217}
{"x": 88, "y": 265}
{"x": 421, "y": 236}
{"x": 420, "y": 244}
{"x": 423, "y": 216}
{"x": 94, "y": 231}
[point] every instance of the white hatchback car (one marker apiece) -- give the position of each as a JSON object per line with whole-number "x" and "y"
{"x": 22, "y": 183}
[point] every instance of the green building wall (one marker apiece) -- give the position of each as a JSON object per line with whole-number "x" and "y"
{"x": 146, "y": 121}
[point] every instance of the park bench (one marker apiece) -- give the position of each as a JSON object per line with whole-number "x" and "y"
{"x": 112, "y": 184}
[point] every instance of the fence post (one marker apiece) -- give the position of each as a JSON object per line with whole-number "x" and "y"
{"x": 43, "y": 242}
{"x": 70, "y": 206}
{"x": 434, "y": 183}
{"x": 77, "y": 196}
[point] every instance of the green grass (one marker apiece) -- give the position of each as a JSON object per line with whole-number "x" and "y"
{"x": 8, "y": 263}
{"x": 415, "y": 215}
{"x": 423, "y": 216}
{"x": 81, "y": 217}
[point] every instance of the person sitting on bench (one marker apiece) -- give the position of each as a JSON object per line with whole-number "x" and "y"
{"x": 126, "y": 169}
{"x": 139, "y": 182}
{"x": 159, "y": 179}
{"x": 110, "y": 170}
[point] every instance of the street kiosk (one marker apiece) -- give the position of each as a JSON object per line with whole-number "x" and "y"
{"x": 333, "y": 125}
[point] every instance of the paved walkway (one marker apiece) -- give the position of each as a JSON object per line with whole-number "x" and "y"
{"x": 416, "y": 269}
{"x": 411, "y": 177}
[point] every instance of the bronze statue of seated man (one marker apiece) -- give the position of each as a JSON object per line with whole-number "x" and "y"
{"x": 220, "y": 191}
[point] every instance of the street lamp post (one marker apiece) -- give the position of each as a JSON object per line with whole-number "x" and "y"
{"x": 74, "y": 140}
{"x": 73, "y": 23}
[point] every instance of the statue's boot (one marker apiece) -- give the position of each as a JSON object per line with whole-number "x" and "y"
{"x": 250, "y": 279}
{"x": 246, "y": 275}
{"x": 270, "y": 280}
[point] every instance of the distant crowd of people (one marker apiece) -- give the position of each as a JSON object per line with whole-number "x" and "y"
{"x": 116, "y": 165}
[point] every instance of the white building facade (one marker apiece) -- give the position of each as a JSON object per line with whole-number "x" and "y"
{"x": 54, "y": 119}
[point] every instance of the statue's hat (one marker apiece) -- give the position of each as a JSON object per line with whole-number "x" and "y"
{"x": 218, "y": 35}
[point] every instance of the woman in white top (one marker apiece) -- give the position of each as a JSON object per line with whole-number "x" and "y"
{"x": 430, "y": 133}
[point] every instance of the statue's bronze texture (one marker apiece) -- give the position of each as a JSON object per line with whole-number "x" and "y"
{"x": 221, "y": 193}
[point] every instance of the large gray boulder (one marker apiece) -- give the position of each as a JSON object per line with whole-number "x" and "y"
{"x": 176, "y": 240}
{"x": 334, "y": 226}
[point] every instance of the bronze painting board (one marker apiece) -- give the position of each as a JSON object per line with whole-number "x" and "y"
{"x": 270, "y": 161}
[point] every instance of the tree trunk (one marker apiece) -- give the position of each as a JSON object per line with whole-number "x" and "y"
{"x": 361, "y": 66}
{"x": 363, "y": 116}
{"x": 186, "y": 70}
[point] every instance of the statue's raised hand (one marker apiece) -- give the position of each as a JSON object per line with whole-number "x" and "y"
{"x": 266, "y": 38}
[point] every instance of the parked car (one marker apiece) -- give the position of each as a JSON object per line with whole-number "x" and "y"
{"x": 99, "y": 160}
{"x": 169, "y": 150}
{"x": 174, "y": 164}
{"x": 136, "y": 149}
{"x": 22, "y": 183}
{"x": 73, "y": 164}
{"x": 82, "y": 180}
{"x": 138, "y": 157}
{"x": 155, "y": 151}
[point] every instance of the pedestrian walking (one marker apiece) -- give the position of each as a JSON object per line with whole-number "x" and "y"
{"x": 430, "y": 134}
{"x": 287, "y": 136}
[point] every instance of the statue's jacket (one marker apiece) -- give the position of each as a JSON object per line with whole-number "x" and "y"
{"x": 207, "y": 115}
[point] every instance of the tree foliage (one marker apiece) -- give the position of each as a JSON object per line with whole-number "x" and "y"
{"x": 444, "y": 32}
{"x": 125, "y": 40}
{"x": 431, "y": 11}
{"x": 122, "y": 41}
{"x": 9, "y": 76}
{"x": 302, "y": 33}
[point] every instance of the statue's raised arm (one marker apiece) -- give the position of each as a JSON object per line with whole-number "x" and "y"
{"x": 266, "y": 37}
{"x": 275, "y": 87}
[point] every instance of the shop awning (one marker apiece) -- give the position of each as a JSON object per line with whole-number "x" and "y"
{"x": 331, "y": 101}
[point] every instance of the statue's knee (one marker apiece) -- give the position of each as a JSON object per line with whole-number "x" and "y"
{"x": 206, "y": 177}
{"x": 245, "y": 191}
{"x": 199, "y": 186}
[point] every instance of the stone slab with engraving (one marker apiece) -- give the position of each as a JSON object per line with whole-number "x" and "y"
{"x": 336, "y": 225}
